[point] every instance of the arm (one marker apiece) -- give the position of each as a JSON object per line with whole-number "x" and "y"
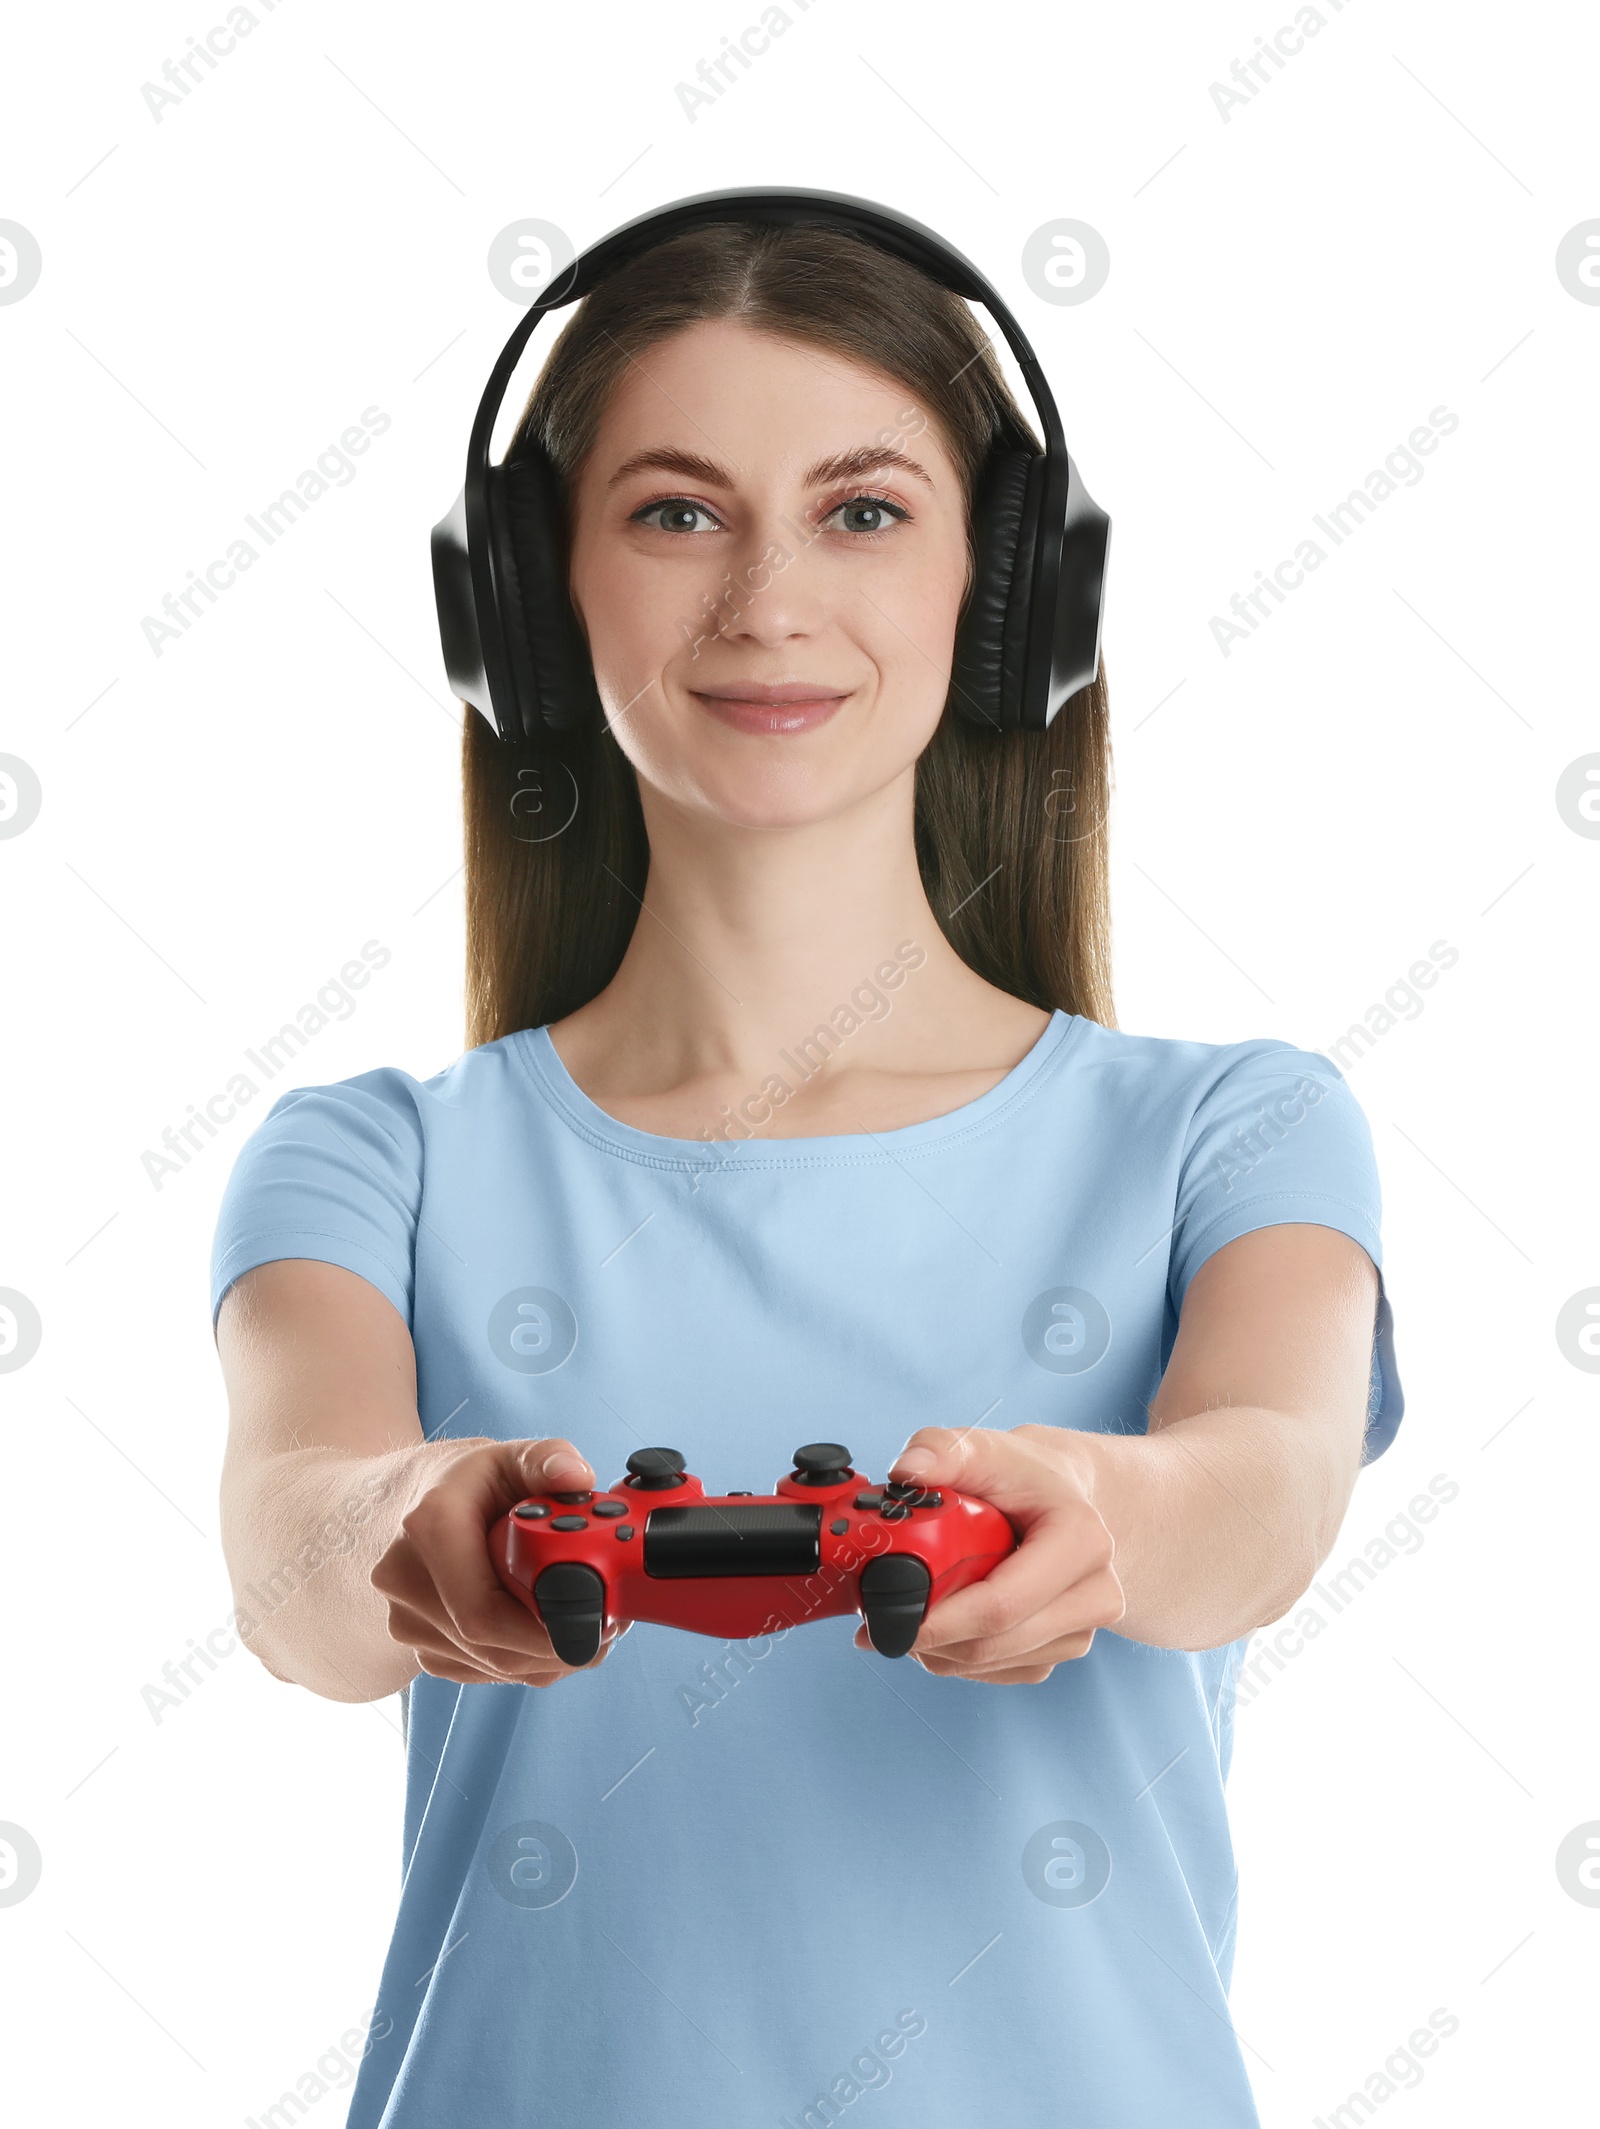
{"x": 357, "y": 1548}
{"x": 1212, "y": 1523}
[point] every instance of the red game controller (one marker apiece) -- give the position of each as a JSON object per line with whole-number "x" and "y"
{"x": 656, "y": 1548}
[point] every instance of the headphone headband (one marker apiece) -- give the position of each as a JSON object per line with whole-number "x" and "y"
{"x": 891, "y": 232}
{"x": 1035, "y": 639}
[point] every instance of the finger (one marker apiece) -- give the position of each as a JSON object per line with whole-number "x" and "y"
{"x": 549, "y": 1464}
{"x": 405, "y": 1579}
{"x": 420, "y": 1629}
{"x": 1029, "y": 1674}
{"x": 1075, "y": 1615}
{"x": 423, "y": 1631}
{"x": 1058, "y": 1648}
{"x": 1068, "y": 1544}
{"x": 1022, "y": 1471}
{"x": 1038, "y": 1666}
{"x": 459, "y": 1673}
{"x": 442, "y": 1659}
{"x": 448, "y": 1531}
{"x": 439, "y": 1653}
{"x": 1042, "y": 1661}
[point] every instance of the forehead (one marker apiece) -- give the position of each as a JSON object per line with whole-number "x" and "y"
{"x": 755, "y": 400}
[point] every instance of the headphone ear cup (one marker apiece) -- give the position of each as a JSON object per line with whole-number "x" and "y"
{"x": 549, "y": 658}
{"x": 992, "y": 637}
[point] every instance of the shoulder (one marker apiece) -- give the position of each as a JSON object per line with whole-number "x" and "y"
{"x": 394, "y": 1102}
{"x": 1260, "y": 1122}
{"x": 379, "y": 1129}
{"x": 1185, "y": 1076}
{"x": 338, "y": 1172}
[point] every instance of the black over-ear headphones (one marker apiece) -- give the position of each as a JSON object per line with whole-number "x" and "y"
{"x": 1029, "y": 636}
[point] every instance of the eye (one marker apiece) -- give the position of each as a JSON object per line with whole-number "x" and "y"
{"x": 678, "y": 514}
{"x": 871, "y": 514}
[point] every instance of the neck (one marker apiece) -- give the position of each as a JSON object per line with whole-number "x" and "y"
{"x": 750, "y": 940}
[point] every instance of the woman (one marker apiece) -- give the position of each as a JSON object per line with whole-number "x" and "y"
{"x": 794, "y": 1107}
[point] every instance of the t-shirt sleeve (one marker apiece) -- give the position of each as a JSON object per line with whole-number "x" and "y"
{"x": 333, "y": 1173}
{"x": 1277, "y": 1136}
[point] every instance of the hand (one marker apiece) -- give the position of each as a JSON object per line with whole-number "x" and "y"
{"x": 446, "y": 1602}
{"x": 1043, "y": 1605}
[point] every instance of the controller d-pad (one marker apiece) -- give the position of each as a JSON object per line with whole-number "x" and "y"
{"x": 569, "y": 1522}
{"x": 609, "y": 1508}
{"x": 898, "y": 1489}
{"x": 869, "y": 1500}
{"x": 530, "y": 1512}
{"x": 572, "y": 1498}
{"x": 891, "y": 1511}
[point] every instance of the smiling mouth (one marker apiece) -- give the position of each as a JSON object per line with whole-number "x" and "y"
{"x": 781, "y": 706}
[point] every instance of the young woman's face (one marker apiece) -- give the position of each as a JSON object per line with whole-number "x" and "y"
{"x": 769, "y": 556}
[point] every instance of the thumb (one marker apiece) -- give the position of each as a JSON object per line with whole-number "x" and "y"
{"x": 1018, "y": 1476}
{"x": 552, "y": 1465}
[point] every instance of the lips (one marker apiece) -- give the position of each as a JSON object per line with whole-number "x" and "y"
{"x": 771, "y": 706}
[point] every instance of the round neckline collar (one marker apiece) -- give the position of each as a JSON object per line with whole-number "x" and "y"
{"x": 542, "y": 1060}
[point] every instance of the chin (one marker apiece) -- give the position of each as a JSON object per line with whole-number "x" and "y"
{"x": 772, "y": 802}
{"x": 774, "y": 785}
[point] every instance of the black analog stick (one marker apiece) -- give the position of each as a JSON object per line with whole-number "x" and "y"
{"x": 822, "y": 1464}
{"x": 654, "y": 1470}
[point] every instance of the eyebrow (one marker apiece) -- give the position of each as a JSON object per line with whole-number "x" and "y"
{"x": 844, "y": 465}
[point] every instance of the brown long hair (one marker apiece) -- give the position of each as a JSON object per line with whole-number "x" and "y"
{"x": 1010, "y": 827}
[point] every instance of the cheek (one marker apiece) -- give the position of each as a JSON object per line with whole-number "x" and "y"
{"x": 628, "y": 613}
{"x": 933, "y": 603}
{"x": 633, "y": 620}
{"x": 909, "y": 622}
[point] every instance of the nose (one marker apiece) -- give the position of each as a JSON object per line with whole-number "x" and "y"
{"x": 770, "y": 594}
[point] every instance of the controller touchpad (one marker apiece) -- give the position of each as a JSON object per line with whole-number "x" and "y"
{"x": 761, "y": 1538}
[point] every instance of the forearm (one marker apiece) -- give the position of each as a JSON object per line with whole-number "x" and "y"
{"x": 302, "y": 1531}
{"x": 1220, "y": 1520}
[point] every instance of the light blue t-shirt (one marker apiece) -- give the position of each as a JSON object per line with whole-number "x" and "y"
{"x": 716, "y": 1885}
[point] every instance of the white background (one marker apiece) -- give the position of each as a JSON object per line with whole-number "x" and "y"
{"x": 1292, "y": 290}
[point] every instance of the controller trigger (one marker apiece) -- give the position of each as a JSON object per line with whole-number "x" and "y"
{"x": 572, "y": 1603}
{"x": 894, "y": 1601}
